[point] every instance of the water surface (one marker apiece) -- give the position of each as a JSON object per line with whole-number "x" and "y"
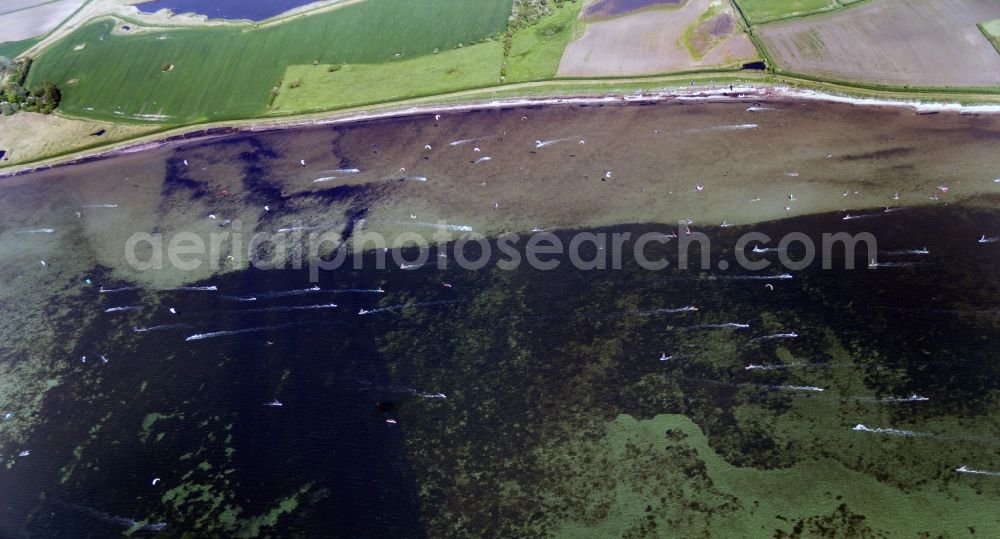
{"x": 257, "y": 10}
{"x": 523, "y": 403}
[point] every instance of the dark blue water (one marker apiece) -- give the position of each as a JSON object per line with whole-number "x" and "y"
{"x": 254, "y": 10}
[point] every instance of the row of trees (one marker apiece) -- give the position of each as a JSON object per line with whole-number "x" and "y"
{"x": 15, "y": 96}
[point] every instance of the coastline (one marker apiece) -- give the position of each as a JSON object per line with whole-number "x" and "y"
{"x": 747, "y": 93}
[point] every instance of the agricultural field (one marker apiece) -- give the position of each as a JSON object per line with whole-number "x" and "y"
{"x": 25, "y": 19}
{"x": 873, "y": 43}
{"x": 991, "y": 29}
{"x": 316, "y": 87}
{"x": 697, "y": 34}
{"x": 613, "y": 8}
{"x": 198, "y": 74}
{"x": 760, "y": 11}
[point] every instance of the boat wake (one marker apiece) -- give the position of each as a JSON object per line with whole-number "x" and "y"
{"x": 966, "y": 469}
{"x": 546, "y": 143}
{"x": 392, "y": 308}
{"x": 125, "y": 309}
{"x": 791, "y": 335}
{"x": 215, "y": 334}
{"x": 287, "y": 293}
{"x": 726, "y": 325}
{"x": 164, "y": 327}
{"x": 891, "y": 432}
{"x": 782, "y": 276}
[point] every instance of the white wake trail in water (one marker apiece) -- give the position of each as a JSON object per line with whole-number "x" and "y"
{"x": 966, "y": 469}
{"x": 783, "y": 276}
{"x": 404, "y": 306}
{"x": 792, "y": 335}
{"x": 37, "y": 231}
{"x": 214, "y": 334}
{"x": 545, "y": 143}
{"x": 726, "y": 325}
{"x": 798, "y": 388}
{"x": 675, "y": 310}
{"x": 891, "y": 432}
{"x": 124, "y": 309}
{"x": 190, "y": 289}
{"x": 164, "y": 327}
{"x": 736, "y": 127}
{"x": 286, "y": 293}
{"x": 464, "y": 141}
{"x": 103, "y": 290}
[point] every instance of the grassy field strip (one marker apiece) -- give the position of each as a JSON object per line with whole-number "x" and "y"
{"x": 310, "y": 88}
{"x": 991, "y": 29}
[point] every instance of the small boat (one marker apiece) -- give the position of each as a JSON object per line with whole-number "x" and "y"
{"x": 275, "y": 402}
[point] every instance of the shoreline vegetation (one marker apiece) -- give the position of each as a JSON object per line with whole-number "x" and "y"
{"x": 740, "y": 91}
{"x": 524, "y": 68}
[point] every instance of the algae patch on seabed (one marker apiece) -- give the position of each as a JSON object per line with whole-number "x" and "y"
{"x": 665, "y": 481}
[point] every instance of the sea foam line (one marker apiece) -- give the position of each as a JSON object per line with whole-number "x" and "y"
{"x": 214, "y": 334}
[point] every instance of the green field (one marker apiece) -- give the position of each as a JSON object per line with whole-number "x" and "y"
{"x": 536, "y": 50}
{"x": 11, "y": 49}
{"x": 316, "y": 87}
{"x": 758, "y": 11}
{"x": 222, "y": 73}
{"x": 991, "y": 29}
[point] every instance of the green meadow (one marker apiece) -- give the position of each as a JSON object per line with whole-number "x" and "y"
{"x": 536, "y": 50}
{"x": 191, "y": 75}
{"x": 316, "y": 87}
{"x": 11, "y": 49}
